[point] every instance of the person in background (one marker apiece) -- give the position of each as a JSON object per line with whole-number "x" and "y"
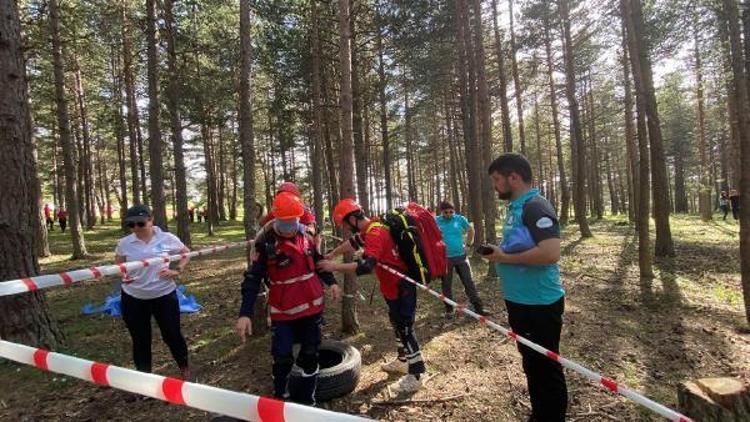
{"x": 191, "y": 214}
{"x": 62, "y": 218}
{"x": 455, "y": 227}
{"x": 286, "y": 254}
{"x": 49, "y": 217}
{"x": 151, "y": 291}
{"x": 734, "y": 202}
{"x": 534, "y": 296}
{"x": 724, "y": 204}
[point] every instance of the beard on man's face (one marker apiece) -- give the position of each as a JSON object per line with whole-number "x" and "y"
{"x": 505, "y": 195}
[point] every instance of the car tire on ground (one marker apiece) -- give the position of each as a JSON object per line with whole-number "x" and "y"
{"x": 340, "y": 367}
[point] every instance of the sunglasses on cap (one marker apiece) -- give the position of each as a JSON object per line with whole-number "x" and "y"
{"x": 131, "y": 224}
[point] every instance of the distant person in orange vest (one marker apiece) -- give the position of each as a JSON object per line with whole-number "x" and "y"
{"x": 62, "y": 218}
{"x": 49, "y": 217}
{"x": 286, "y": 254}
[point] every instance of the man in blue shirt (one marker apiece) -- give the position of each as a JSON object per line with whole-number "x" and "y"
{"x": 454, "y": 227}
{"x": 534, "y": 296}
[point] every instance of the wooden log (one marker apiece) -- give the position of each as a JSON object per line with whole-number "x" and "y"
{"x": 715, "y": 399}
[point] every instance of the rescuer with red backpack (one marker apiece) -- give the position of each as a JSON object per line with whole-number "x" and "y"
{"x": 395, "y": 243}
{"x": 287, "y": 255}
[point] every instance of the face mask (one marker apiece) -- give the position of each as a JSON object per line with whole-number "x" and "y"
{"x": 286, "y": 227}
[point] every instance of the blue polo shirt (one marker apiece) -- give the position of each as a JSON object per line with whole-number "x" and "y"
{"x": 531, "y": 284}
{"x": 453, "y": 230}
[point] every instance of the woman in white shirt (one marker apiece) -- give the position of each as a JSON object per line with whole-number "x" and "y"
{"x": 151, "y": 291}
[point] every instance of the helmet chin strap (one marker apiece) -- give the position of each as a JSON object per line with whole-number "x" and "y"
{"x": 353, "y": 228}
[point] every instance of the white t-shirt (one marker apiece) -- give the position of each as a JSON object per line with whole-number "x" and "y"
{"x": 145, "y": 283}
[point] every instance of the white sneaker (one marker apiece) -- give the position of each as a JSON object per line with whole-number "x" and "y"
{"x": 395, "y": 367}
{"x": 407, "y": 384}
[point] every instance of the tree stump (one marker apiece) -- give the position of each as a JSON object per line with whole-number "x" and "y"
{"x": 715, "y": 399}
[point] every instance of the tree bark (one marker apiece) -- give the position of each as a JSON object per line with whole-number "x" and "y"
{"x": 133, "y": 121}
{"x": 634, "y": 180}
{"x": 63, "y": 122}
{"x": 643, "y": 211}
{"x": 704, "y": 185}
{"x": 516, "y": 81}
{"x": 158, "y": 207}
{"x": 576, "y": 131}
{"x": 664, "y": 245}
{"x": 502, "y": 83}
{"x": 85, "y": 163}
{"x": 564, "y": 188}
{"x": 360, "y": 156}
{"x": 317, "y": 118}
{"x": 382, "y": 83}
{"x": 349, "y": 322}
{"x": 740, "y": 94}
{"x": 173, "y": 104}
{"x": 485, "y": 118}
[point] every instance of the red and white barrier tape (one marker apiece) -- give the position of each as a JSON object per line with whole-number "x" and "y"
{"x": 199, "y": 396}
{"x": 603, "y": 381}
{"x": 67, "y": 278}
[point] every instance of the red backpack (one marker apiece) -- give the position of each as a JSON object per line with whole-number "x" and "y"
{"x": 419, "y": 240}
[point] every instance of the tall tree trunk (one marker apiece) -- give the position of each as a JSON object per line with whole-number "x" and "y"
{"x": 485, "y": 117}
{"x": 468, "y": 111}
{"x": 120, "y": 135}
{"x": 576, "y": 131}
{"x": 634, "y": 180}
{"x": 564, "y": 189}
{"x": 503, "y": 82}
{"x": 382, "y": 83}
{"x": 63, "y": 122}
{"x": 158, "y": 207}
{"x": 360, "y": 156}
{"x": 595, "y": 180}
{"x": 740, "y": 93}
{"x": 23, "y": 317}
{"x": 704, "y": 185}
{"x": 349, "y": 321}
{"x": 133, "y": 121}
{"x": 317, "y": 120}
{"x": 221, "y": 169}
{"x": 411, "y": 185}
{"x": 664, "y": 245}
{"x": 85, "y": 163}
{"x": 211, "y": 215}
{"x": 643, "y": 212}
{"x": 175, "y": 120}
{"x": 516, "y": 80}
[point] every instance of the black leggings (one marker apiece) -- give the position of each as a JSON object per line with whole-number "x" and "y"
{"x": 137, "y": 316}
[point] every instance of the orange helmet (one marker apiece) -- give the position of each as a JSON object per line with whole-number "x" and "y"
{"x": 286, "y": 206}
{"x": 289, "y": 187}
{"x": 343, "y": 208}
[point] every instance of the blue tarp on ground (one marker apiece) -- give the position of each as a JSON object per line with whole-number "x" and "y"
{"x": 111, "y": 306}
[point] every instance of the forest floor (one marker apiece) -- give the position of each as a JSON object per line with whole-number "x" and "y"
{"x": 686, "y": 323}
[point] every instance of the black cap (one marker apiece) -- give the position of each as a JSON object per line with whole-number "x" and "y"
{"x": 138, "y": 213}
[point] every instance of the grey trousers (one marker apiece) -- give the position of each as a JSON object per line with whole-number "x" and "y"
{"x": 462, "y": 267}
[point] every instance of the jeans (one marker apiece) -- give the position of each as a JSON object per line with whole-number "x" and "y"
{"x": 401, "y": 312}
{"x": 462, "y": 267}
{"x": 137, "y": 316}
{"x": 545, "y": 378}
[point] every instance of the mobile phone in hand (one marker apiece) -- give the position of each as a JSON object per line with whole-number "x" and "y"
{"x": 484, "y": 250}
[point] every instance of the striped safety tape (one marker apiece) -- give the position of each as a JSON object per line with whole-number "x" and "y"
{"x": 199, "y": 396}
{"x": 23, "y": 285}
{"x": 601, "y": 380}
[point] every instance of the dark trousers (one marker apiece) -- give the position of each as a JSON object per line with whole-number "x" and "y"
{"x": 725, "y": 210}
{"x": 545, "y": 378}
{"x": 736, "y": 213}
{"x": 137, "y": 316}
{"x": 461, "y": 266}
{"x": 306, "y": 332}
{"x": 51, "y": 224}
{"x": 63, "y": 223}
{"x": 401, "y": 312}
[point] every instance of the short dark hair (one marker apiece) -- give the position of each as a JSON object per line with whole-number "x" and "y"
{"x": 446, "y": 205}
{"x": 511, "y": 162}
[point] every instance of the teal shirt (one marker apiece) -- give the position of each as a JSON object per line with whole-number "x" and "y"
{"x": 453, "y": 230}
{"x": 531, "y": 284}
